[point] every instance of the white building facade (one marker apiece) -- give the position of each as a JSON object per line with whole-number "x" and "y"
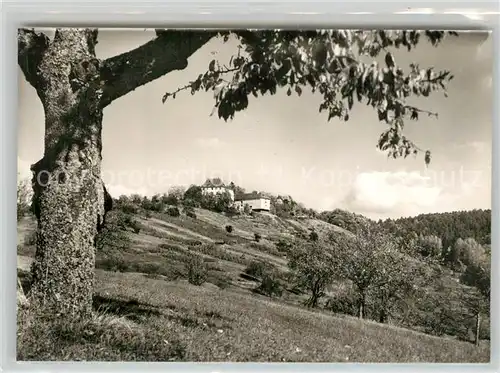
{"x": 217, "y": 190}
{"x": 255, "y": 202}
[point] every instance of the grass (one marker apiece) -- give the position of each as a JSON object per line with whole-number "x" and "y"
{"x": 153, "y": 320}
{"x": 145, "y": 309}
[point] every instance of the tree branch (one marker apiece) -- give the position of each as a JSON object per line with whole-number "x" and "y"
{"x": 169, "y": 51}
{"x": 31, "y": 46}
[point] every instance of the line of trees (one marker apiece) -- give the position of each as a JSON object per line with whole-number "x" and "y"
{"x": 386, "y": 282}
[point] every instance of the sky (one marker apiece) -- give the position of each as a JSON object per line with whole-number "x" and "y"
{"x": 282, "y": 144}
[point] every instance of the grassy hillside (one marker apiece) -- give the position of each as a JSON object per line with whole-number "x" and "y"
{"x": 146, "y": 310}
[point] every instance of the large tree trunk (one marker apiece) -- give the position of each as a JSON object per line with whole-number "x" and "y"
{"x": 478, "y": 329}
{"x": 361, "y": 307}
{"x": 69, "y": 196}
{"x": 68, "y": 192}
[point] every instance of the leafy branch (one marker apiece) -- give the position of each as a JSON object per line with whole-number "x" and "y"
{"x": 329, "y": 62}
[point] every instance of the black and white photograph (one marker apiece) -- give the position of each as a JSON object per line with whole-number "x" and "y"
{"x": 254, "y": 195}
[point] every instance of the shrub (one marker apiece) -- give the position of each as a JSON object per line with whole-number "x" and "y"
{"x": 113, "y": 263}
{"x": 222, "y": 281}
{"x": 197, "y": 270}
{"x": 270, "y": 286}
{"x": 229, "y": 228}
{"x": 128, "y": 208}
{"x": 283, "y": 246}
{"x": 113, "y": 235}
{"x": 129, "y": 222}
{"x": 189, "y": 211}
{"x": 344, "y": 302}
{"x": 313, "y": 236}
{"x": 258, "y": 269}
{"x": 173, "y": 211}
{"x": 257, "y": 237}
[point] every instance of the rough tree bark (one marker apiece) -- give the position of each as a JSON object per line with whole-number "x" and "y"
{"x": 70, "y": 200}
{"x": 478, "y": 329}
{"x": 362, "y": 304}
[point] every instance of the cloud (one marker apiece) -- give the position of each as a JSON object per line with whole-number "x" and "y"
{"x": 210, "y": 142}
{"x": 392, "y": 194}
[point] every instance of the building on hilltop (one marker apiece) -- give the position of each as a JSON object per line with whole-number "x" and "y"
{"x": 216, "y": 186}
{"x": 256, "y": 201}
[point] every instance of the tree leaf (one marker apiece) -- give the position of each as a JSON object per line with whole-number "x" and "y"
{"x": 389, "y": 60}
{"x": 350, "y": 101}
{"x": 211, "y": 66}
{"x": 427, "y": 158}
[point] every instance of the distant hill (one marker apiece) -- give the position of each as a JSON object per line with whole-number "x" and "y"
{"x": 448, "y": 225}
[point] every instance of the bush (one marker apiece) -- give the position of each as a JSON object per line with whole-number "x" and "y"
{"x": 173, "y": 211}
{"x": 128, "y": 208}
{"x": 313, "y": 236}
{"x": 283, "y": 246}
{"x": 270, "y": 286}
{"x": 344, "y": 302}
{"x": 229, "y": 228}
{"x": 257, "y": 237}
{"x": 189, "y": 211}
{"x": 113, "y": 264}
{"x": 258, "y": 269}
{"x": 113, "y": 235}
{"x": 129, "y": 222}
{"x": 222, "y": 281}
{"x": 197, "y": 270}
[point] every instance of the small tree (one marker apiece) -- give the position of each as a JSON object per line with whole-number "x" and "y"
{"x": 395, "y": 281}
{"x": 270, "y": 286}
{"x": 229, "y": 228}
{"x": 313, "y": 236}
{"x": 177, "y": 193}
{"x": 24, "y": 195}
{"x": 113, "y": 234}
{"x": 429, "y": 246}
{"x": 189, "y": 211}
{"x": 257, "y": 237}
{"x": 194, "y": 195}
{"x": 197, "y": 270}
{"x": 258, "y": 269}
{"x": 174, "y": 212}
{"x": 478, "y": 275}
{"x": 314, "y": 270}
{"x": 247, "y": 209}
{"x": 358, "y": 257}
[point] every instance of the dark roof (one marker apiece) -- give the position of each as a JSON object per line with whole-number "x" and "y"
{"x": 211, "y": 184}
{"x": 249, "y": 196}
